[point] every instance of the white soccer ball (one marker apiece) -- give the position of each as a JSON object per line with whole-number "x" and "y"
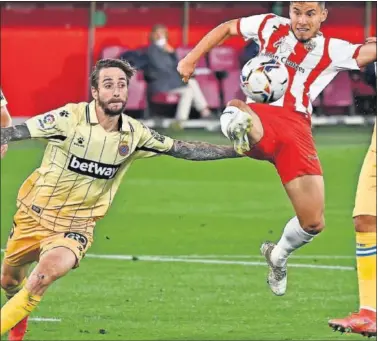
{"x": 264, "y": 79}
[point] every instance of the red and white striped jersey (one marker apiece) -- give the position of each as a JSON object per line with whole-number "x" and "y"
{"x": 311, "y": 65}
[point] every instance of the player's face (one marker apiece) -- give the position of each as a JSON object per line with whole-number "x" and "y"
{"x": 111, "y": 94}
{"x": 306, "y": 19}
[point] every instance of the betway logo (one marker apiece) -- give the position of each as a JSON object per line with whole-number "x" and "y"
{"x": 92, "y": 168}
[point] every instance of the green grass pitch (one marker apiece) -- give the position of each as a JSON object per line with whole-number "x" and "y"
{"x": 168, "y": 207}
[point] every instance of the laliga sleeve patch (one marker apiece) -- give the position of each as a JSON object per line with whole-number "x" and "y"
{"x": 48, "y": 121}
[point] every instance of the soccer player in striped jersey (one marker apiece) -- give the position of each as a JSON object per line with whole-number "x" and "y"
{"x": 6, "y": 120}
{"x": 281, "y": 131}
{"x": 91, "y": 146}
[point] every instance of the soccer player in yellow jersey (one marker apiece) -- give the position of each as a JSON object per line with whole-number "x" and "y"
{"x": 365, "y": 222}
{"x": 6, "y": 120}
{"x": 91, "y": 146}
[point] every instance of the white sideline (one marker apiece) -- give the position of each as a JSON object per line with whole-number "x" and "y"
{"x": 261, "y": 257}
{"x": 202, "y": 260}
{"x": 44, "y": 319}
{"x": 214, "y": 261}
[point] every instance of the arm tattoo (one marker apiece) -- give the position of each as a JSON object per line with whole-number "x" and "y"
{"x": 201, "y": 151}
{"x": 14, "y": 133}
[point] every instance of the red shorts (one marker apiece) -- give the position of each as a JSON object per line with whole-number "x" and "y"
{"x": 287, "y": 142}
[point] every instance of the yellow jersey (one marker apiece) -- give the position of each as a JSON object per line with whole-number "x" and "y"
{"x": 83, "y": 165}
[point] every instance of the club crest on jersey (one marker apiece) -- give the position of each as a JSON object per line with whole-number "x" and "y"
{"x": 123, "y": 149}
{"x": 310, "y": 45}
{"x": 283, "y": 46}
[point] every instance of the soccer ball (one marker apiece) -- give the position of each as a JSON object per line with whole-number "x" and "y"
{"x": 264, "y": 79}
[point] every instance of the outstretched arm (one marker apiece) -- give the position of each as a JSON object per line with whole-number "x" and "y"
{"x": 368, "y": 52}
{"x": 200, "y": 151}
{"x": 6, "y": 121}
{"x": 14, "y": 133}
{"x": 215, "y": 37}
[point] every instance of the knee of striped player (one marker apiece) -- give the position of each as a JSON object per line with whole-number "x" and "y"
{"x": 365, "y": 223}
{"x": 235, "y": 103}
{"x": 313, "y": 225}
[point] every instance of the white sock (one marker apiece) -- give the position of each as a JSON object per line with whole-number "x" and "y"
{"x": 225, "y": 119}
{"x": 293, "y": 237}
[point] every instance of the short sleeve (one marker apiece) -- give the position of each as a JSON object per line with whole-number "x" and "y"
{"x": 343, "y": 54}
{"x": 3, "y": 100}
{"x": 54, "y": 124}
{"x": 152, "y": 143}
{"x": 260, "y": 27}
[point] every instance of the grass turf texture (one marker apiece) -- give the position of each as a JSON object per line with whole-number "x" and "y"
{"x": 174, "y": 207}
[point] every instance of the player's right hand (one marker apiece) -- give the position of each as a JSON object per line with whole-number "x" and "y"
{"x": 185, "y": 69}
{"x": 3, "y": 150}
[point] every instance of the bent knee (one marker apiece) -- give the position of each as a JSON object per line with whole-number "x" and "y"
{"x": 365, "y": 223}
{"x": 236, "y": 103}
{"x": 314, "y": 226}
{"x": 8, "y": 282}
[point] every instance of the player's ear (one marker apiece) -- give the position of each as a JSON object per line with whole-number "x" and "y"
{"x": 94, "y": 92}
{"x": 324, "y": 14}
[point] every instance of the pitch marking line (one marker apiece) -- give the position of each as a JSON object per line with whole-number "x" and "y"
{"x": 261, "y": 257}
{"x": 213, "y": 261}
{"x": 44, "y": 319}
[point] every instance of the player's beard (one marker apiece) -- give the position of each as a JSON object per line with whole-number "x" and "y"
{"x": 105, "y": 106}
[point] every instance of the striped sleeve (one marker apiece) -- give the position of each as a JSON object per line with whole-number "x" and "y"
{"x": 343, "y": 55}
{"x": 259, "y": 27}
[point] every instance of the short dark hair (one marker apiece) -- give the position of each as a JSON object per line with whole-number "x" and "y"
{"x": 322, "y": 4}
{"x": 124, "y": 65}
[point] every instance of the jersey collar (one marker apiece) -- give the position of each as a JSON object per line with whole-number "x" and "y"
{"x": 91, "y": 117}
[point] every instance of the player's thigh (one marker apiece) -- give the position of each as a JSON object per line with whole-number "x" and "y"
{"x": 24, "y": 241}
{"x": 366, "y": 194}
{"x": 77, "y": 243}
{"x": 306, "y": 194}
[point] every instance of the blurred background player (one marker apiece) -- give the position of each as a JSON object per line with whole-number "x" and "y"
{"x": 162, "y": 76}
{"x": 365, "y": 222}
{"x": 91, "y": 146}
{"x": 281, "y": 133}
{"x": 6, "y": 120}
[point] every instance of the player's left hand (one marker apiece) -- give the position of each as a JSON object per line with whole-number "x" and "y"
{"x": 371, "y": 40}
{"x": 3, "y": 150}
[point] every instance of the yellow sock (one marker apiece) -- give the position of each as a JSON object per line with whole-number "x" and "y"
{"x": 13, "y": 291}
{"x": 366, "y": 253}
{"x": 18, "y": 307}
